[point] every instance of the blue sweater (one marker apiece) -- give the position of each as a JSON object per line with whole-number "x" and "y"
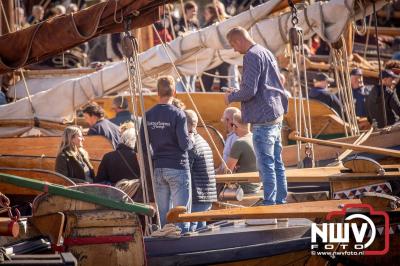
{"x": 122, "y": 117}
{"x": 261, "y": 93}
{"x": 107, "y": 129}
{"x": 168, "y": 136}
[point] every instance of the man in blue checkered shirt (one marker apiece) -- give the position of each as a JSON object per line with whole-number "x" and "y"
{"x": 263, "y": 103}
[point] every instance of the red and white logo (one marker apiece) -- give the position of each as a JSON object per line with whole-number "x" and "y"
{"x": 336, "y": 237}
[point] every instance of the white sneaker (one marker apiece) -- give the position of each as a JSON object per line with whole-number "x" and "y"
{"x": 261, "y": 221}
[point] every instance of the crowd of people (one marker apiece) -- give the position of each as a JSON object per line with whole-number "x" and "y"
{"x": 381, "y": 110}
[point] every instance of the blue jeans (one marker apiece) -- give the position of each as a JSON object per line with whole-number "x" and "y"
{"x": 173, "y": 188}
{"x": 199, "y": 207}
{"x": 268, "y": 148}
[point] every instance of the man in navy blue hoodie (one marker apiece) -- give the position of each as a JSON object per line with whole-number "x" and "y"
{"x": 169, "y": 141}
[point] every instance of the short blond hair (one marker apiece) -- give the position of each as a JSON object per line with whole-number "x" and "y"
{"x": 166, "y": 86}
{"x": 238, "y": 32}
{"x": 229, "y": 112}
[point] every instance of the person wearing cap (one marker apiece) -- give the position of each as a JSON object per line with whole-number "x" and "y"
{"x": 321, "y": 93}
{"x": 360, "y": 92}
{"x": 120, "y": 106}
{"x": 392, "y": 104}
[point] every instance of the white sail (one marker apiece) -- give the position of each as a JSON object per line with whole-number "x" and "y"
{"x": 192, "y": 54}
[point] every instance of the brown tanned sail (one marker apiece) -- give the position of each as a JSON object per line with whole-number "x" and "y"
{"x": 60, "y": 33}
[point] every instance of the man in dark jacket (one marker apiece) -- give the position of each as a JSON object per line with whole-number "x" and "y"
{"x": 392, "y": 104}
{"x": 204, "y": 188}
{"x": 121, "y": 163}
{"x": 94, "y": 116}
{"x": 321, "y": 93}
{"x": 360, "y": 92}
{"x": 169, "y": 141}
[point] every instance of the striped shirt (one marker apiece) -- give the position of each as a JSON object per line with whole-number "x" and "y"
{"x": 261, "y": 93}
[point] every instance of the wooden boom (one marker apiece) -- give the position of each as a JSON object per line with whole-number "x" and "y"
{"x": 355, "y": 147}
{"x": 313, "y": 209}
{"x": 319, "y": 174}
{"x": 78, "y": 195}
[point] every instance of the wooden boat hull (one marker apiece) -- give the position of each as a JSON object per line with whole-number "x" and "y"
{"x": 41, "y": 152}
{"x": 34, "y": 162}
{"x": 96, "y": 146}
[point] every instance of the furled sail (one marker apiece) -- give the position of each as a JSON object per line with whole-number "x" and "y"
{"x": 193, "y": 54}
{"x": 60, "y": 33}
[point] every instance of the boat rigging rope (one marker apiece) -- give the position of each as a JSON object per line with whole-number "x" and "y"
{"x": 379, "y": 65}
{"x": 367, "y": 38}
{"x": 171, "y": 22}
{"x": 191, "y": 101}
{"x": 345, "y": 114}
{"x": 217, "y": 76}
{"x": 296, "y": 38}
{"x": 130, "y": 48}
{"x": 342, "y": 76}
{"x": 115, "y": 13}
{"x": 184, "y": 15}
{"x": 363, "y": 29}
{"x": 5, "y": 16}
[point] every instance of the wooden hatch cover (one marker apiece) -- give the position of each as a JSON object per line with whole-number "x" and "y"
{"x": 380, "y": 201}
{"x": 361, "y": 164}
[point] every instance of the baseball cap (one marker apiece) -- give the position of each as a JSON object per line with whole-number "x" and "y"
{"x": 387, "y": 73}
{"x": 323, "y": 77}
{"x": 356, "y": 72}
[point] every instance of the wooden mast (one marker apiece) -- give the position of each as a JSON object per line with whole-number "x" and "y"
{"x": 348, "y": 36}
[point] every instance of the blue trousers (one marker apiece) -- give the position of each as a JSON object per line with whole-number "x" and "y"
{"x": 199, "y": 207}
{"x": 173, "y": 188}
{"x": 268, "y": 148}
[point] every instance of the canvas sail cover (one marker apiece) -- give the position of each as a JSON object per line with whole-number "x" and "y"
{"x": 193, "y": 54}
{"x": 60, "y": 33}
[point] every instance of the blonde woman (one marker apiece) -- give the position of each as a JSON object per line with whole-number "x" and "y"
{"x": 72, "y": 160}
